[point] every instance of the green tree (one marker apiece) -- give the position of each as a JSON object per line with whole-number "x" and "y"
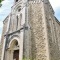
{"x": 0, "y": 3}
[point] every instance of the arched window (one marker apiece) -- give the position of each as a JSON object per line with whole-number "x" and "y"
{"x": 17, "y": 22}
{"x": 16, "y": 43}
{"x": 21, "y": 18}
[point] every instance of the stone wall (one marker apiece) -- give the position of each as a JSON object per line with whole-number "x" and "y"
{"x": 53, "y": 32}
{"x": 37, "y": 27}
{"x": 42, "y": 33}
{"x": 5, "y": 22}
{"x": 0, "y": 51}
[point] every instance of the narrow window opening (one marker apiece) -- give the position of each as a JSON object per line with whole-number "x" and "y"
{"x": 21, "y": 18}
{"x": 17, "y": 23}
{"x": 19, "y": 10}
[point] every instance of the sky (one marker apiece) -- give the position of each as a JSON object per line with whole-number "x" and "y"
{"x": 6, "y": 9}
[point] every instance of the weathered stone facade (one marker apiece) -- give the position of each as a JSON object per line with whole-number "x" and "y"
{"x": 33, "y": 25}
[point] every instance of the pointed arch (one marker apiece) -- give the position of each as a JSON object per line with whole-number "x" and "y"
{"x": 12, "y": 41}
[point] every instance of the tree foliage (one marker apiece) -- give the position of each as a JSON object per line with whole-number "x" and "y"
{"x": 0, "y": 3}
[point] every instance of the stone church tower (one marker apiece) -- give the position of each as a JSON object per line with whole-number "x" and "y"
{"x": 31, "y": 32}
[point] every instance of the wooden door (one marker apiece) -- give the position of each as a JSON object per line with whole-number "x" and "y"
{"x": 16, "y": 55}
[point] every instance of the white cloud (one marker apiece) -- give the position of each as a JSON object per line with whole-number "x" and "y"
{"x": 55, "y": 4}
{"x": 5, "y": 9}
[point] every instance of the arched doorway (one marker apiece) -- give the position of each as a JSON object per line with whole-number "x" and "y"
{"x": 16, "y": 55}
{"x": 13, "y": 50}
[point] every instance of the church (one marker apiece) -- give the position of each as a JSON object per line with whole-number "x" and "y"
{"x": 30, "y": 32}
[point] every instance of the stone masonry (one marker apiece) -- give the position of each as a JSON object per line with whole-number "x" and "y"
{"x": 33, "y": 25}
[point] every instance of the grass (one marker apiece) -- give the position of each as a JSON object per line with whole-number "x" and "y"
{"x": 25, "y": 59}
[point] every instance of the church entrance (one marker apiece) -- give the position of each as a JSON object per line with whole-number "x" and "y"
{"x": 16, "y": 55}
{"x": 13, "y": 50}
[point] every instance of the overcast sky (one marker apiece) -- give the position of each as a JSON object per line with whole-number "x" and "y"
{"x": 6, "y": 8}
